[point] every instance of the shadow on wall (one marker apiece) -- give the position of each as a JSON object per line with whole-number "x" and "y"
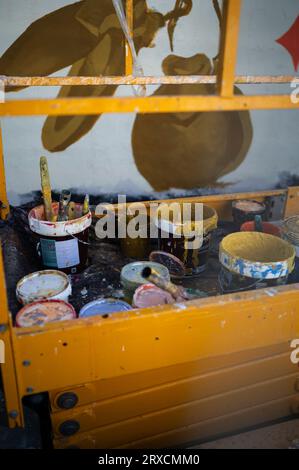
{"x": 183, "y": 150}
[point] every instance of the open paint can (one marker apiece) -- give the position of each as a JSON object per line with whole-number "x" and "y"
{"x": 44, "y": 311}
{"x": 43, "y": 285}
{"x": 62, "y": 245}
{"x": 246, "y": 210}
{"x": 253, "y": 260}
{"x": 188, "y": 238}
{"x": 103, "y": 307}
{"x": 131, "y": 277}
{"x": 290, "y": 232}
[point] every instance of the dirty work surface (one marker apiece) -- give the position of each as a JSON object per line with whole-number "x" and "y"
{"x": 102, "y": 276}
{"x": 100, "y": 279}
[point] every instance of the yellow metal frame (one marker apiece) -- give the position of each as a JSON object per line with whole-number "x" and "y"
{"x": 165, "y": 346}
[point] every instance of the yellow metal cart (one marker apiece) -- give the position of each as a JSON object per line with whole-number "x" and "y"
{"x": 170, "y": 375}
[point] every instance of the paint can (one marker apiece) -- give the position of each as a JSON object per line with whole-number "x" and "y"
{"x": 62, "y": 245}
{"x": 174, "y": 238}
{"x": 149, "y": 295}
{"x": 43, "y": 285}
{"x": 267, "y": 227}
{"x": 103, "y": 307}
{"x": 44, "y": 311}
{"x": 253, "y": 260}
{"x": 290, "y": 232}
{"x": 131, "y": 277}
{"x": 139, "y": 247}
{"x": 246, "y": 210}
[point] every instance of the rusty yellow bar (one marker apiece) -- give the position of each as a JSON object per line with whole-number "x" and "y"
{"x": 4, "y": 204}
{"x": 229, "y": 46}
{"x": 130, "y": 20}
{"x": 8, "y": 369}
{"x": 152, "y": 104}
{"x": 149, "y": 80}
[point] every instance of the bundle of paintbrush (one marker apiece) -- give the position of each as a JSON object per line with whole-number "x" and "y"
{"x": 68, "y": 210}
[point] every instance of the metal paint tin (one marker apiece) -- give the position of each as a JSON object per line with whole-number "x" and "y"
{"x": 43, "y": 285}
{"x": 252, "y": 260}
{"x": 44, "y": 311}
{"x": 174, "y": 239}
{"x": 149, "y": 295}
{"x": 245, "y": 210}
{"x": 257, "y": 255}
{"x": 131, "y": 277}
{"x": 290, "y": 232}
{"x": 104, "y": 307}
{"x": 267, "y": 227}
{"x": 63, "y": 245}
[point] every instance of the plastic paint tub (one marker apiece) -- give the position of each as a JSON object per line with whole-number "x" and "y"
{"x": 63, "y": 245}
{"x": 44, "y": 311}
{"x": 269, "y": 228}
{"x": 290, "y": 232}
{"x": 103, "y": 307}
{"x": 149, "y": 295}
{"x": 245, "y": 210}
{"x": 131, "y": 277}
{"x": 249, "y": 257}
{"x": 43, "y": 285}
{"x": 173, "y": 238}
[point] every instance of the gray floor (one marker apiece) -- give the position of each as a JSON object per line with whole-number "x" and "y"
{"x": 279, "y": 436}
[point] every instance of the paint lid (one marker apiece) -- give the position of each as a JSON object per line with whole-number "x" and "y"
{"x": 41, "y": 285}
{"x": 174, "y": 265}
{"x": 149, "y": 295}
{"x": 257, "y": 255}
{"x": 104, "y": 307}
{"x": 131, "y": 277}
{"x": 44, "y": 311}
{"x": 249, "y": 206}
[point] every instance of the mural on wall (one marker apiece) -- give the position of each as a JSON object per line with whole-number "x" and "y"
{"x": 290, "y": 41}
{"x": 171, "y": 150}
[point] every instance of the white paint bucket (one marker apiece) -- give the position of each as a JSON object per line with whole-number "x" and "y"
{"x": 63, "y": 245}
{"x": 43, "y": 285}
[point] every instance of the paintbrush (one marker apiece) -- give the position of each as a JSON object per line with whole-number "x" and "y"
{"x": 64, "y": 201}
{"x": 46, "y": 189}
{"x": 86, "y": 205}
{"x": 72, "y": 211}
{"x": 155, "y": 278}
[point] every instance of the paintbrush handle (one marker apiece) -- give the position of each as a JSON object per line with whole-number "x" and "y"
{"x": 46, "y": 189}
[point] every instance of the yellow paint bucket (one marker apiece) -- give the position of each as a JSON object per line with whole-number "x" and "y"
{"x": 252, "y": 258}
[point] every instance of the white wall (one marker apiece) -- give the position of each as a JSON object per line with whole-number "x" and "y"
{"x": 102, "y": 161}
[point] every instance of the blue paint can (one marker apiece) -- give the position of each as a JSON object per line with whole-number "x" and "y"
{"x": 103, "y": 307}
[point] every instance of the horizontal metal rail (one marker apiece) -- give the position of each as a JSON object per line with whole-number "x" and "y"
{"x": 151, "y": 104}
{"x": 148, "y": 80}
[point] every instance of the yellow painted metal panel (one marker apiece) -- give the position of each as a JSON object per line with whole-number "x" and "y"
{"x": 150, "y": 104}
{"x": 249, "y": 367}
{"x": 97, "y": 348}
{"x": 204, "y": 430}
{"x": 229, "y": 46}
{"x": 185, "y": 395}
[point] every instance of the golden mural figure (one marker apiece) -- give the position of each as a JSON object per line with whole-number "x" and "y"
{"x": 189, "y": 150}
{"x": 173, "y": 150}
